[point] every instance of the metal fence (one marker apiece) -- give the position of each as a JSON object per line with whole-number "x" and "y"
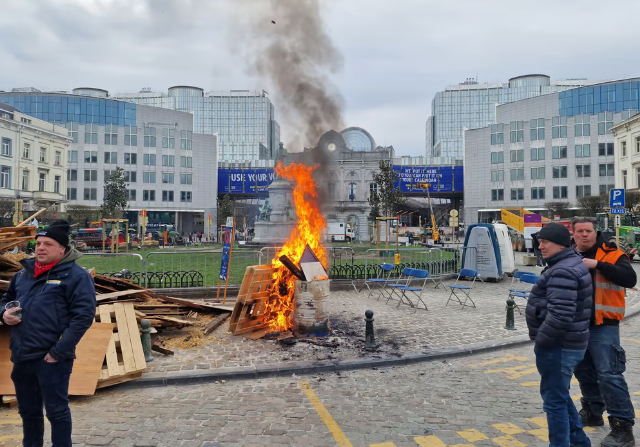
{"x": 121, "y": 265}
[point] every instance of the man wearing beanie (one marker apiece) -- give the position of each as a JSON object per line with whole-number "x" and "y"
{"x": 57, "y": 306}
{"x": 558, "y": 313}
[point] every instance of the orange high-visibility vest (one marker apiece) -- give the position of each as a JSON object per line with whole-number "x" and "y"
{"x": 609, "y": 296}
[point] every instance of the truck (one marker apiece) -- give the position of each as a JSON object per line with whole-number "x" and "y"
{"x": 338, "y": 231}
{"x": 629, "y": 231}
{"x": 514, "y": 219}
{"x": 94, "y": 235}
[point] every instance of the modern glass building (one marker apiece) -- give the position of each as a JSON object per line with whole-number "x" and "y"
{"x": 470, "y": 105}
{"x": 244, "y": 121}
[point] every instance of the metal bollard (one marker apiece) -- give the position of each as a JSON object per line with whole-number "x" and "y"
{"x": 146, "y": 340}
{"x": 369, "y": 338}
{"x": 511, "y": 320}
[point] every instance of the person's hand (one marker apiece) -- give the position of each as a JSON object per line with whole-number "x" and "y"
{"x": 9, "y": 317}
{"x": 49, "y": 359}
{"x": 590, "y": 263}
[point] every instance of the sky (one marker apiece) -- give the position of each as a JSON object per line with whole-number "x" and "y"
{"x": 396, "y": 54}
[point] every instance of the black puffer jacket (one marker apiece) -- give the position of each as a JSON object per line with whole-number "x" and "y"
{"x": 559, "y": 307}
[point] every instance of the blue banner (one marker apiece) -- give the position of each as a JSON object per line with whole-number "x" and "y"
{"x": 245, "y": 181}
{"x": 223, "y": 181}
{"x": 458, "y": 178}
{"x": 226, "y": 249}
{"x": 237, "y": 181}
{"x": 441, "y": 179}
{"x": 446, "y": 179}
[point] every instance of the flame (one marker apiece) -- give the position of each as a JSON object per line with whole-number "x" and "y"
{"x": 308, "y": 231}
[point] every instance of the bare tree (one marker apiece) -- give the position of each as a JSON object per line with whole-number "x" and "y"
{"x": 559, "y": 208}
{"x": 631, "y": 199}
{"x": 592, "y": 205}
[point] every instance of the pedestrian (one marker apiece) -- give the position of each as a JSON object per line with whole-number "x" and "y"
{"x": 558, "y": 312}
{"x": 600, "y": 374}
{"x": 57, "y": 305}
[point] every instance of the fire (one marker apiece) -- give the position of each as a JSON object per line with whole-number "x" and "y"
{"x": 308, "y": 231}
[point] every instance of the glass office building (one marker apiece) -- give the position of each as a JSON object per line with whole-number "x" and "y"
{"x": 244, "y": 120}
{"x": 470, "y": 105}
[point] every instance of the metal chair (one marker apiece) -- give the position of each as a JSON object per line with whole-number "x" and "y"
{"x": 527, "y": 278}
{"x": 515, "y": 281}
{"x": 417, "y": 291}
{"x": 380, "y": 279}
{"x": 404, "y": 276}
{"x": 459, "y": 288}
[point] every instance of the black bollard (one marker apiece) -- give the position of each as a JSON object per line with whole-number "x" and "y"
{"x": 511, "y": 320}
{"x": 146, "y": 340}
{"x": 369, "y": 337}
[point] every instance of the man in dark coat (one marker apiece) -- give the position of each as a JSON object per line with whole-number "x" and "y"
{"x": 57, "y": 305}
{"x": 558, "y": 313}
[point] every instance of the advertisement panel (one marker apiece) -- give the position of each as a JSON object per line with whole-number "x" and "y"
{"x": 458, "y": 178}
{"x": 237, "y": 181}
{"x": 223, "y": 181}
{"x": 446, "y": 179}
{"x": 226, "y": 249}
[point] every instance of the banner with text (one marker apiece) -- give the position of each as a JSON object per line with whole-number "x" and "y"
{"x": 441, "y": 179}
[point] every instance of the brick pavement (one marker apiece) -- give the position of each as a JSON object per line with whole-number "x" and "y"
{"x": 489, "y": 399}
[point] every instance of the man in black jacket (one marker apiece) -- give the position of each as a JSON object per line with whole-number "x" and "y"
{"x": 558, "y": 312}
{"x": 600, "y": 374}
{"x": 57, "y": 305}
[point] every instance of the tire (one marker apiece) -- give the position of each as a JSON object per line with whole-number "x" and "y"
{"x": 623, "y": 245}
{"x": 523, "y": 245}
{"x": 514, "y": 244}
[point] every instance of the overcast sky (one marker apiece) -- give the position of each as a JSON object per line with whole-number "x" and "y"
{"x": 397, "y": 54}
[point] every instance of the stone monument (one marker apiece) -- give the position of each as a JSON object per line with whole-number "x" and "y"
{"x": 276, "y": 219}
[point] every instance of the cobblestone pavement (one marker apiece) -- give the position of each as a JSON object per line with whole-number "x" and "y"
{"x": 489, "y": 399}
{"x": 399, "y": 330}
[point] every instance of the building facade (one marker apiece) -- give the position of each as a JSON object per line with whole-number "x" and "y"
{"x": 170, "y": 170}
{"x": 627, "y": 149}
{"x": 33, "y": 157}
{"x": 471, "y": 105}
{"x": 243, "y": 120}
{"x": 555, "y": 147}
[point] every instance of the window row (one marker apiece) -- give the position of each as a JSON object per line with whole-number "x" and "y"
{"x": 539, "y": 193}
{"x": 147, "y": 195}
{"x": 6, "y": 180}
{"x": 6, "y": 150}
{"x": 539, "y": 173}
{"x": 560, "y": 152}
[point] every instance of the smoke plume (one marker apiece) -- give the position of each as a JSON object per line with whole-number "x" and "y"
{"x": 296, "y": 57}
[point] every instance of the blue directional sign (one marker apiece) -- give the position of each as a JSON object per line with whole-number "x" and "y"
{"x": 616, "y": 198}
{"x": 617, "y": 210}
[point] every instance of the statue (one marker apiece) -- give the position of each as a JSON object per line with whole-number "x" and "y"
{"x": 291, "y": 211}
{"x": 265, "y": 211}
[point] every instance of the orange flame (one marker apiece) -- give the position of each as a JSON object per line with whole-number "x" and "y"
{"x": 308, "y": 231}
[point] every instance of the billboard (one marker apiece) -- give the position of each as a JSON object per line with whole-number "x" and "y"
{"x": 441, "y": 178}
{"x": 245, "y": 181}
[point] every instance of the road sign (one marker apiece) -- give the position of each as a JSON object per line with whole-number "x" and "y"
{"x": 453, "y": 221}
{"x": 616, "y": 198}
{"x": 617, "y": 210}
{"x": 453, "y": 213}
{"x": 618, "y": 221}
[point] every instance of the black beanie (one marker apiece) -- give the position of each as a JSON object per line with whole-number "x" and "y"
{"x": 58, "y": 231}
{"x": 555, "y": 232}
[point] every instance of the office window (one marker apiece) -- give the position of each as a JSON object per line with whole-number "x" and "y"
{"x": 72, "y": 193}
{"x": 185, "y": 196}
{"x": 149, "y": 159}
{"x": 605, "y": 121}
{"x": 538, "y": 173}
{"x": 583, "y": 171}
{"x": 72, "y": 131}
{"x": 187, "y": 179}
{"x": 185, "y": 139}
{"x": 5, "y": 177}
{"x": 108, "y": 174}
{"x": 583, "y": 150}
{"x": 58, "y": 158}
{"x": 537, "y": 153}
{"x": 536, "y": 129}
{"x": 537, "y": 193}
{"x": 606, "y": 170}
{"x": 130, "y": 158}
{"x": 132, "y": 194}
{"x": 497, "y": 157}
{"x": 91, "y": 133}
{"x": 626, "y": 114}
{"x": 559, "y": 172}
{"x": 149, "y": 195}
{"x": 90, "y": 175}
{"x": 559, "y": 152}
{"x": 604, "y": 189}
{"x": 186, "y": 162}
{"x": 90, "y": 194}
{"x": 91, "y": 156}
{"x": 148, "y": 177}
{"x": 516, "y": 131}
{"x": 623, "y": 148}
{"x": 168, "y": 140}
{"x": 130, "y": 176}
{"x": 496, "y": 176}
{"x": 560, "y": 192}
{"x": 582, "y": 126}
{"x": 517, "y": 193}
{"x": 26, "y": 151}
{"x": 497, "y": 135}
{"x": 25, "y": 120}
{"x": 73, "y": 156}
{"x": 43, "y": 155}
{"x": 497, "y": 195}
{"x": 168, "y": 160}
{"x": 111, "y": 134}
{"x": 605, "y": 149}
{"x": 72, "y": 175}
{"x": 56, "y": 184}
{"x": 25, "y": 181}
{"x": 130, "y": 136}
{"x": 5, "y": 149}
{"x": 167, "y": 196}
{"x": 111, "y": 158}
{"x": 583, "y": 191}
{"x": 517, "y": 174}
{"x": 167, "y": 178}
{"x": 42, "y": 181}
{"x": 624, "y": 179}
{"x": 149, "y": 136}
{"x": 559, "y": 127}
{"x": 516, "y": 155}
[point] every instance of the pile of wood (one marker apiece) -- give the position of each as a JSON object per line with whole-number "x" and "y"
{"x": 11, "y": 237}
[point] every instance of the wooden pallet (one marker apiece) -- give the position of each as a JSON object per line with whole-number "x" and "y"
{"x": 124, "y": 360}
{"x": 13, "y": 236}
{"x": 249, "y": 311}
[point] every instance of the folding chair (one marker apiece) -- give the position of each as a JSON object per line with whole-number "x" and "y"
{"x": 527, "y": 278}
{"x": 404, "y": 276}
{"x": 380, "y": 279}
{"x": 459, "y": 288}
{"x": 515, "y": 281}
{"x": 417, "y": 291}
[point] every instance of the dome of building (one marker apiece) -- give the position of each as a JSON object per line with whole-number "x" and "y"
{"x": 358, "y": 139}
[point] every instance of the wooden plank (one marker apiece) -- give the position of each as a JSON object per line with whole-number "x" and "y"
{"x": 136, "y": 341}
{"x": 112, "y": 295}
{"x": 112, "y": 355}
{"x": 256, "y": 335}
{"x": 125, "y": 339}
{"x": 216, "y": 323}
{"x": 185, "y": 302}
{"x": 118, "y": 379}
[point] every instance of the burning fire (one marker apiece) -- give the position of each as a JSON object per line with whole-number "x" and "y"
{"x": 311, "y": 224}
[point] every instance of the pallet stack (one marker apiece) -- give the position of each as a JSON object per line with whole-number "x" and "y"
{"x": 250, "y": 309}
{"x": 11, "y": 237}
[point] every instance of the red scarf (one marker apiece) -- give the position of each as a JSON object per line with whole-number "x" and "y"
{"x": 41, "y": 268}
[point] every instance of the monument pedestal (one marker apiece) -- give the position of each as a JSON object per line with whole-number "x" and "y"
{"x": 278, "y": 227}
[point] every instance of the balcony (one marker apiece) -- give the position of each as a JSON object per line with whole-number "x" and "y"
{"x": 47, "y": 196}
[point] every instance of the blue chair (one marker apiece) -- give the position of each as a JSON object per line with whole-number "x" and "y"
{"x": 381, "y": 280}
{"x": 466, "y": 290}
{"x": 402, "y": 281}
{"x": 515, "y": 281}
{"x": 417, "y": 291}
{"x": 527, "y": 278}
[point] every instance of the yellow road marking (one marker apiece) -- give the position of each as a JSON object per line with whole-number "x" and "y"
{"x": 541, "y": 433}
{"x": 574, "y": 381}
{"x": 589, "y": 429}
{"x": 637, "y": 393}
{"x": 540, "y": 422}
{"x": 508, "y": 441}
{"x": 509, "y": 370}
{"x": 4, "y": 438}
{"x": 508, "y": 429}
{"x": 630, "y": 339}
{"x": 576, "y": 398}
{"x": 328, "y": 420}
{"x": 505, "y": 359}
{"x": 472, "y": 435}
{"x": 529, "y": 383}
{"x": 429, "y": 441}
{"x": 522, "y": 373}
{"x": 11, "y": 421}
{"x": 384, "y": 444}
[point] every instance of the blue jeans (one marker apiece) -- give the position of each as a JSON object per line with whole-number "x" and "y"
{"x": 556, "y": 366}
{"x": 38, "y": 382}
{"x": 600, "y": 374}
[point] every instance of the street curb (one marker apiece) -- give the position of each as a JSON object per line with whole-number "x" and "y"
{"x": 304, "y": 368}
